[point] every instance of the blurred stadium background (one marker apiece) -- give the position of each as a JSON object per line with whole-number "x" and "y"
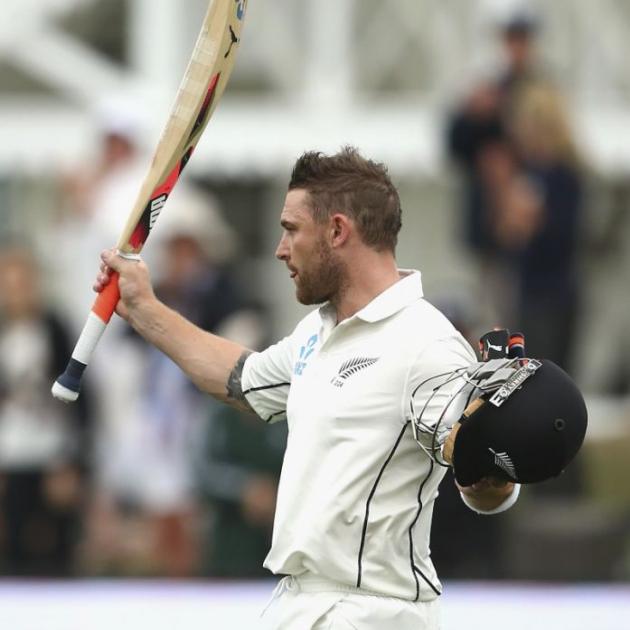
{"x": 151, "y": 502}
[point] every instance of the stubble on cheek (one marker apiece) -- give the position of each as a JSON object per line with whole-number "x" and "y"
{"x": 323, "y": 280}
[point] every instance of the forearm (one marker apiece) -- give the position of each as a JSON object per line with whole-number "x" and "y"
{"x": 212, "y": 363}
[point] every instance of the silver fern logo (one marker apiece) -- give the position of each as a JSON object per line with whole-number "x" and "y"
{"x": 350, "y": 367}
{"x": 504, "y": 462}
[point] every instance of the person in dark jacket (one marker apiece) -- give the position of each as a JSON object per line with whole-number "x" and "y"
{"x": 547, "y": 259}
{"x": 44, "y": 445}
{"x": 480, "y": 123}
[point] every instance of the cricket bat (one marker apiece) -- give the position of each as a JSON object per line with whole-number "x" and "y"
{"x": 203, "y": 84}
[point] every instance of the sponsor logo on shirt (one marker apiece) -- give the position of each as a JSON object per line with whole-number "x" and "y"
{"x": 350, "y": 367}
{"x": 305, "y": 352}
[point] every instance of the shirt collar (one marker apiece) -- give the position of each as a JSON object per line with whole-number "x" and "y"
{"x": 401, "y": 294}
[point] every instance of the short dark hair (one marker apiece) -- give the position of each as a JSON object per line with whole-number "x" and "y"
{"x": 520, "y": 25}
{"x": 347, "y": 182}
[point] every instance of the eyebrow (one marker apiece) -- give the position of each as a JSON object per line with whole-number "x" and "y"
{"x": 286, "y": 224}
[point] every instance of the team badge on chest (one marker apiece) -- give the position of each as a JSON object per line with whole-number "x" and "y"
{"x": 350, "y": 367}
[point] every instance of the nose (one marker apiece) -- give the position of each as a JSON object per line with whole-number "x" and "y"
{"x": 282, "y": 251}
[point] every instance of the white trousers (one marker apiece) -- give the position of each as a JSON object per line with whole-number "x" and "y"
{"x": 310, "y": 603}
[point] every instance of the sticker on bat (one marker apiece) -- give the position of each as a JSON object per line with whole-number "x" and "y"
{"x": 156, "y": 207}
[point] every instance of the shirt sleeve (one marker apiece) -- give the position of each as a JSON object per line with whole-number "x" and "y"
{"x": 267, "y": 380}
{"x": 436, "y": 394}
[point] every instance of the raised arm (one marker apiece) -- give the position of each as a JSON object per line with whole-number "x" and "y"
{"x": 215, "y": 365}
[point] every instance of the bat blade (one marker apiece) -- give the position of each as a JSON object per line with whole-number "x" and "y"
{"x": 203, "y": 84}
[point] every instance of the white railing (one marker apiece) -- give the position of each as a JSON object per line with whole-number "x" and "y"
{"x": 375, "y": 72}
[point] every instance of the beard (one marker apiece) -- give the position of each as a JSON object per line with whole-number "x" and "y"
{"x": 324, "y": 278}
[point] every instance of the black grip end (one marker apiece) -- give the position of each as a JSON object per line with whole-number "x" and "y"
{"x": 71, "y": 378}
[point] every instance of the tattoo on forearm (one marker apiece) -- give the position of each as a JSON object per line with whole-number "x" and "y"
{"x": 235, "y": 384}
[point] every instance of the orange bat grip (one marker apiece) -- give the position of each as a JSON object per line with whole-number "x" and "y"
{"x": 105, "y": 304}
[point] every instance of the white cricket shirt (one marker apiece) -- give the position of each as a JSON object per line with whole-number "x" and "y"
{"x": 356, "y": 491}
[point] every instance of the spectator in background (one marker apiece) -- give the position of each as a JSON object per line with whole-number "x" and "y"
{"x": 44, "y": 445}
{"x": 239, "y": 472}
{"x": 148, "y": 516}
{"x": 195, "y": 247}
{"x": 536, "y": 228}
{"x": 512, "y": 205}
{"x": 479, "y": 142}
{"x": 235, "y": 471}
{"x": 521, "y": 203}
{"x": 522, "y": 196}
{"x": 97, "y": 197}
{"x": 544, "y": 239}
{"x": 480, "y": 123}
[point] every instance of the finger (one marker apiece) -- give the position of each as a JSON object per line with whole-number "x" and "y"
{"x": 500, "y": 483}
{"x": 496, "y": 482}
{"x": 479, "y": 486}
{"x": 490, "y": 482}
{"x": 473, "y": 487}
{"x": 102, "y": 280}
{"x": 483, "y": 484}
{"x": 111, "y": 259}
{"x": 104, "y": 268}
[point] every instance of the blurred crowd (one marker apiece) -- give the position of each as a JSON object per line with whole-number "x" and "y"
{"x": 147, "y": 477}
{"x": 144, "y": 476}
{"x": 522, "y": 202}
{"x": 523, "y": 195}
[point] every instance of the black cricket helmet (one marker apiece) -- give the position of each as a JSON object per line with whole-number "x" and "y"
{"x": 530, "y": 426}
{"x": 525, "y": 435}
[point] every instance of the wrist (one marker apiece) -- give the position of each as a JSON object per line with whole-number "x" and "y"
{"x": 488, "y": 509}
{"x": 144, "y": 314}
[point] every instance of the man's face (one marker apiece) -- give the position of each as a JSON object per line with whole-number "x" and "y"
{"x": 19, "y": 293}
{"x": 519, "y": 49}
{"x": 305, "y": 248}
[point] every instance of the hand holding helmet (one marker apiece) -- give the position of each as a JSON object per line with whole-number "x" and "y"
{"x": 525, "y": 423}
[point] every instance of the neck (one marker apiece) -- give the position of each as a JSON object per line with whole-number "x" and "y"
{"x": 367, "y": 275}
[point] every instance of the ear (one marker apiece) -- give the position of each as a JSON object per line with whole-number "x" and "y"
{"x": 341, "y": 227}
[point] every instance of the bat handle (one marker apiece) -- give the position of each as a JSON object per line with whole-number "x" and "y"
{"x": 68, "y": 385}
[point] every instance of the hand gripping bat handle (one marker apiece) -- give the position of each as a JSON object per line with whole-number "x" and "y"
{"x": 68, "y": 385}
